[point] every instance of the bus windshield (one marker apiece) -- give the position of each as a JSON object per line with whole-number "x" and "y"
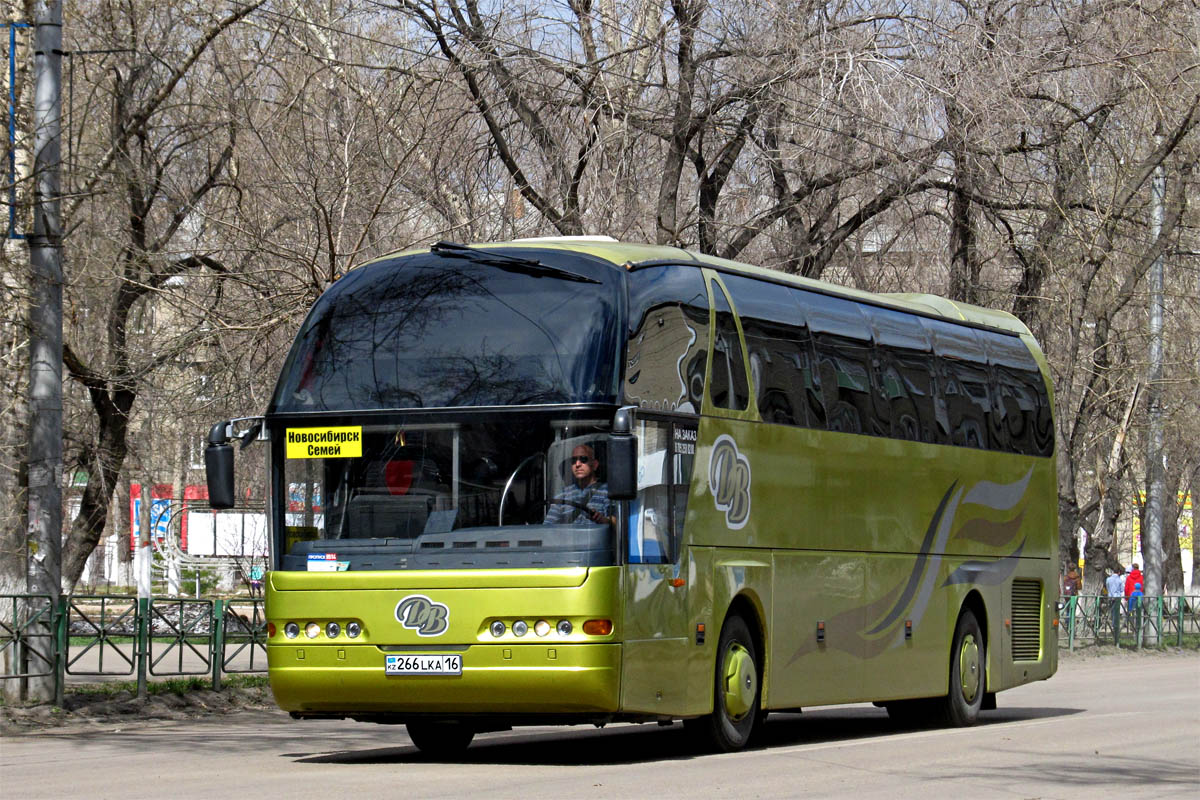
{"x": 525, "y": 490}
{"x": 459, "y": 328}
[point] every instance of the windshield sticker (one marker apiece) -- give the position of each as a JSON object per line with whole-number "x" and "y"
{"x": 345, "y": 442}
{"x": 423, "y": 615}
{"x": 729, "y": 480}
{"x": 326, "y": 562}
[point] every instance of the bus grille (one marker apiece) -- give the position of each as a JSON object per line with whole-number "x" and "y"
{"x": 1026, "y": 619}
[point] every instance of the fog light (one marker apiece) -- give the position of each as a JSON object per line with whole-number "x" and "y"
{"x": 497, "y": 629}
{"x": 564, "y": 627}
{"x": 332, "y": 630}
{"x": 541, "y": 627}
{"x": 291, "y": 630}
{"x": 520, "y": 628}
{"x": 312, "y": 630}
{"x": 353, "y": 629}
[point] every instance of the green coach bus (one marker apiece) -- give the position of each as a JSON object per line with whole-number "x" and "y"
{"x": 574, "y": 480}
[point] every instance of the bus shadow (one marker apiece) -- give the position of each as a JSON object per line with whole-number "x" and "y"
{"x": 637, "y": 744}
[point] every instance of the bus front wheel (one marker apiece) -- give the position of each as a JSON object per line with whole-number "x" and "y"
{"x": 440, "y": 738}
{"x": 736, "y": 691}
{"x": 967, "y": 680}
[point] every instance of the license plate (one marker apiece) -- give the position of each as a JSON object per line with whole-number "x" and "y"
{"x": 424, "y": 664}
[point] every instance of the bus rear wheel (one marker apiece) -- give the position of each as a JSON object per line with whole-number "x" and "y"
{"x": 440, "y": 738}
{"x": 967, "y": 680}
{"x": 736, "y": 692}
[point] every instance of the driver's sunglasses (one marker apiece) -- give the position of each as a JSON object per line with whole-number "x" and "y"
{"x": 580, "y": 459}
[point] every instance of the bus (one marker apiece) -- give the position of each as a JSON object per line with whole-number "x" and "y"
{"x": 578, "y": 481}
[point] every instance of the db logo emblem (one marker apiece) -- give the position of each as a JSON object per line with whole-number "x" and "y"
{"x": 423, "y": 615}
{"x": 729, "y": 481}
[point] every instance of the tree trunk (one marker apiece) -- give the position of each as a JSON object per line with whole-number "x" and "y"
{"x": 1172, "y": 566}
{"x": 1097, "y": 558}
{"x": 123, "y": 530}
{"x": 1068, "y": 525}
{"x": 88, "y": 525}
{"x": 14, "y": 421}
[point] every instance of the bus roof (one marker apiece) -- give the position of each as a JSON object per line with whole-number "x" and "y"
{"x": 632, "y": 254}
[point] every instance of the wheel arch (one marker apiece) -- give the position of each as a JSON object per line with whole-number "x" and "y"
{"x": 747, "y": 606}
{"x": 974, "y": 602}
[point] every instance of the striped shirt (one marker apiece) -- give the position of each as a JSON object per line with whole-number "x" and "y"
{"x": 594, "y": 497}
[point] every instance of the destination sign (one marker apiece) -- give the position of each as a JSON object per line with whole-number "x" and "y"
{"x": 345, "y": 442}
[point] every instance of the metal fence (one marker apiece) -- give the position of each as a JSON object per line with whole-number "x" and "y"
{"x": 1151, "y": 622}
{"x": 113, "y": 636}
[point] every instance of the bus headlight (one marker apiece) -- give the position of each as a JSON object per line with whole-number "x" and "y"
{"x": 312, "y": 630}
{"x": 541, "y": 627}
{"x": 353, "y": 629}
{"x": 520, "y": 628}
{"x": 564, "y": 627}
{"x": 291, "y": 630}
{"x": 332, "y": 630}
{"x": 497, "y": 628}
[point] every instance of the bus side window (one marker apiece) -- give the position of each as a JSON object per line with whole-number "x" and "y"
{"x": 1019, "y": 392}
{"x": 903, "y": 350}
{"x": 779, "y": 348}
{"x": 916, "y": 372}
{"x": 729, "y": 388}
{"x": 668, "y": 339}
{"x": 962, "y": 374}
{"x": 651, "y": 534}
{"x": 683, "y": 457}
{"x": 843, "y": 346}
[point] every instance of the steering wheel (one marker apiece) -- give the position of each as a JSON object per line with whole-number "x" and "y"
{"x": 587, "y": 511}
{"x": 571, "y": 503}
{"x": 508, "y": 485}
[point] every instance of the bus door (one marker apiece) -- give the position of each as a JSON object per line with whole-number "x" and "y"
{"x": 655, "y": 608}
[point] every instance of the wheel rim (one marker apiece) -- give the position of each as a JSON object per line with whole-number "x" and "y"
{"x": 741, "y": 681}
{"x": 968, "y": 668}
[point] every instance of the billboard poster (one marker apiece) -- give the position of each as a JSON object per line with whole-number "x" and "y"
{"x": 160, "y": 514}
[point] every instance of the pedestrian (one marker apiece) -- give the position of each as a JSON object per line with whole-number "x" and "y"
{"x": 1070, "y": 584}
{"x": 1134, "y": 577}
{"x": 256, "y": 578}
{"x": 1135, "y": 598}
{"x": 1135, "y": 608}
{"x": 1114, "y": 585}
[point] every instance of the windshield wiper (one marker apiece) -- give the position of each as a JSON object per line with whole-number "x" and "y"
{"x": 527, "y": 266}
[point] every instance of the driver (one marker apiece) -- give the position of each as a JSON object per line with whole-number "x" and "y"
{"x": 586, "y": 498}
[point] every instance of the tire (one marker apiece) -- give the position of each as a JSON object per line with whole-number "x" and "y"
{"x": 737, "y": 689}
{"x": 440, "y": 738}
{"x": 968, "y": 684}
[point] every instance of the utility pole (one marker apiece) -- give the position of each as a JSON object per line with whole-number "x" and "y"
{"x": 44, "y": 563}
{"x": 1152, "y": 532}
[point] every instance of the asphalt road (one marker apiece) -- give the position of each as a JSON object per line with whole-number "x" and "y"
{"x": 1124, "y": 726}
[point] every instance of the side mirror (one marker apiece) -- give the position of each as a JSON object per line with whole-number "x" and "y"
{"x": 622, "y": 457}
{"x": 218, "y": 466}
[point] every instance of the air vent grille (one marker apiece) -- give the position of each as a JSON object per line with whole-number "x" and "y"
{"x": 1026, "y": 619}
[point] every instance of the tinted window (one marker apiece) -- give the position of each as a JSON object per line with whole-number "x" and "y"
{"x": 434, "y": 330}
{"x": 729, "y": 388}
{"x": 905, "y": 358}
{"x": 779, "y": 349}
{"x": 1022, "y": 405}
{"x": 668, "y": 339}
{"x": 963, "y": 382}
{"x": 842, "y": 342}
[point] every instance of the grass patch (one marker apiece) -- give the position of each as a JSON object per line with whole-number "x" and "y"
{"x": 84, "y": 641}
{"x": 178, "y": 686}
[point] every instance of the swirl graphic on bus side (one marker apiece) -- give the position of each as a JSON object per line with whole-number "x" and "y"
{"x": 729, "y": 480}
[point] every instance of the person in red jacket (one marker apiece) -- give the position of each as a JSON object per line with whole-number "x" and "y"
{"x": 1134, "y": 577}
